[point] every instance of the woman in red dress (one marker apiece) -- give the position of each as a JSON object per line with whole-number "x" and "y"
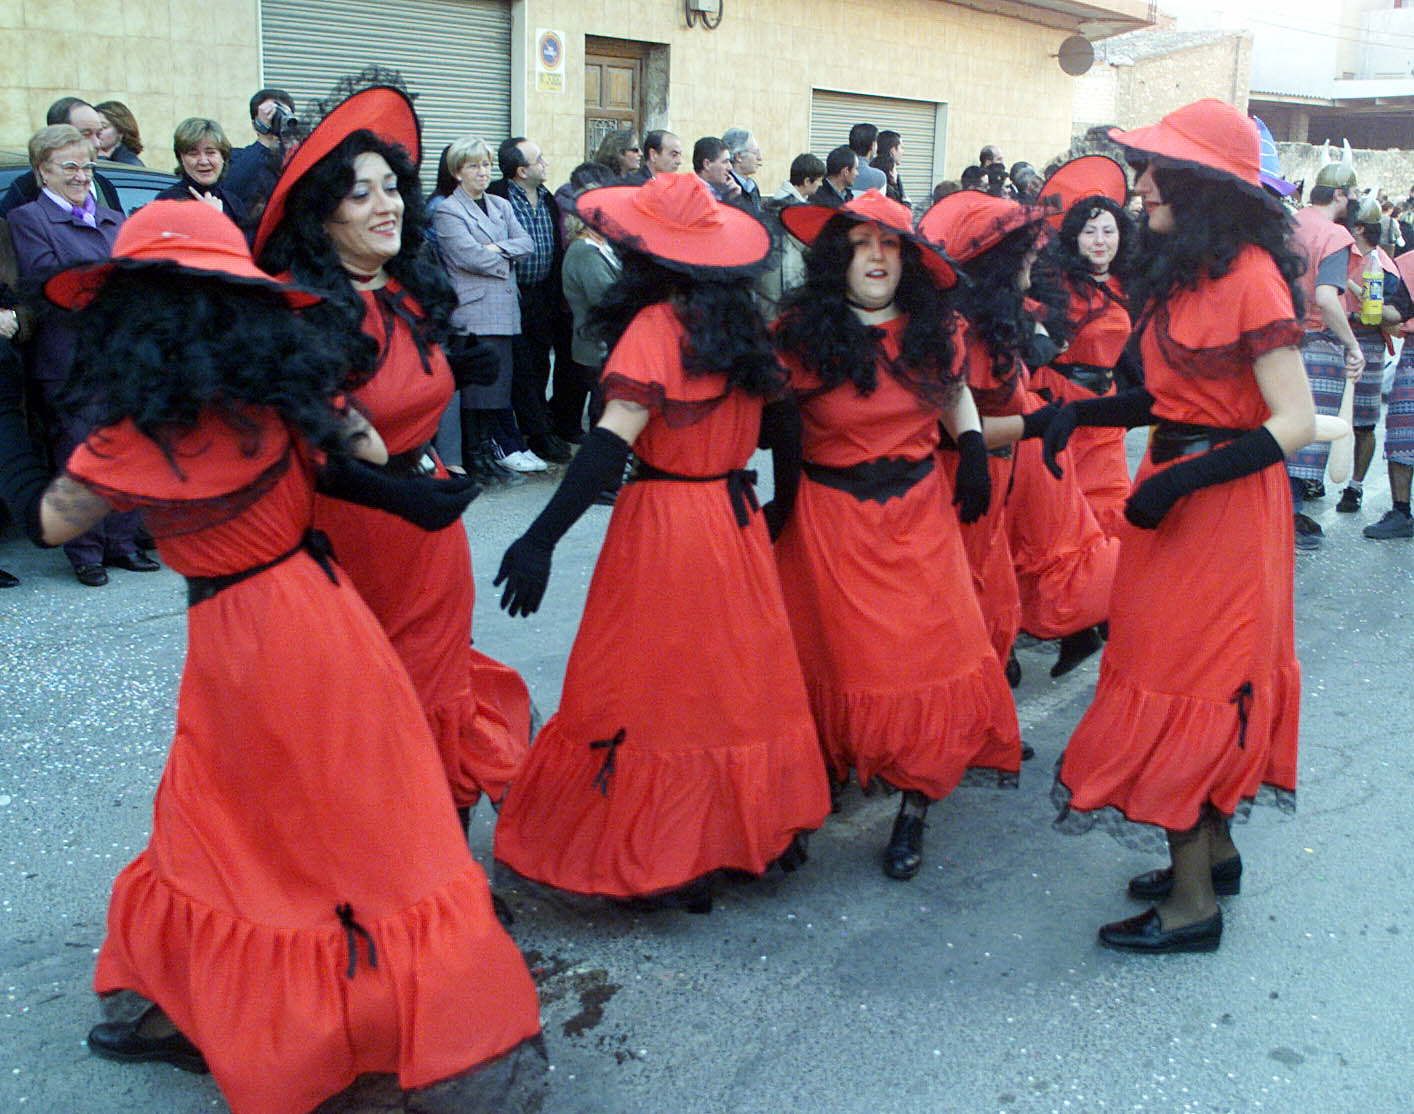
{"x": 1199, "y": 694}
{"x": 904, "y": 684}
{"x": 1063, "y": 563}
{"x": 683, "y": 744}
{"x": 346, "y": 217}
{"x": 306, "y": 908}
{"x": 1092, "y": 251}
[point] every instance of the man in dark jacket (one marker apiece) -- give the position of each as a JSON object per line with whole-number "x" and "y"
{"x": 256, "y": 168}
{"x": 841, "y": 166}
{"x": 79, "y": 114}
{"x": 543, "y": 313}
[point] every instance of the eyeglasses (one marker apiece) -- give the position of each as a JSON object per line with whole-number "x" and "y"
{"x": 78, "y": 167}
{"x": 635, "y": 150}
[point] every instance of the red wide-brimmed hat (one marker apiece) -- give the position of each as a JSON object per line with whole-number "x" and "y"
{"x": 675, "y": 220}
{"x": 1207, "y": 136}
{"x": 806, "y": 222}
{"x": 185, "y": 236}
{"x": 970, "y": 222}
{"x": 384, "y": 110}
{"x": 1087, "y": 176}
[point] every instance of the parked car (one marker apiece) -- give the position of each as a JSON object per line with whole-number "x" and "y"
{"x": 136, "y": 185}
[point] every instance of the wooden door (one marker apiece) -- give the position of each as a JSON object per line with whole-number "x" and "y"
{"x": 613, "y": 92}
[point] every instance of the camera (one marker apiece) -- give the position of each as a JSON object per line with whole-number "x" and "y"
{"x": 284, "y": 124}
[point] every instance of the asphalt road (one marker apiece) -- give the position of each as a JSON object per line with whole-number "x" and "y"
{"x": 977, "y": 987}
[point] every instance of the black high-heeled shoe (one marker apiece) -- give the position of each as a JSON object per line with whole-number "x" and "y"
{"x": 1075, "y": 648}
{"x": 903, "y": 857}
{"x": 123, "y": 1041}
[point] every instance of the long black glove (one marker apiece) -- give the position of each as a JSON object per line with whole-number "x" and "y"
{"x": 1125, "y": 408}
{"x": 781, "y": 433}
{"x": 973, "y": 490}
{"x": 23, "y": 476}
{"x": 1037, "y": 422}
{"x": 525, "y": 567}
{"x": 425, "y": 501}
{"x": 474, "y": 363}
{"x": 1155, "y": 497}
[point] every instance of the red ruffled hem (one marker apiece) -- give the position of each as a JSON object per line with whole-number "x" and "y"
{"x": 668, "y": 816}
{"x": 924, "y": 739}
{"x": 1158, "y": 758}
{"x": 280, "y": 1022}
{"x": 484, "y": 739}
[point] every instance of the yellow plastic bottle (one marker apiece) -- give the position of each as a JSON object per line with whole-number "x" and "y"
{"x": 1372, "y": 305}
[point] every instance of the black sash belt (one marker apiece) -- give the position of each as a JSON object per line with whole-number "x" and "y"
{"x": 421, "y": 461}
{"x": 880, "y": 479}
{"x": 739, "y": 486}
{"x": 1092, "y": 377}
{"x": 314, "y": 542}
{"x": 1175, "y": 439}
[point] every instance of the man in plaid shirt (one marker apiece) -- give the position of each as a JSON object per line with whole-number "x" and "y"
{"x": 542, "y": 306}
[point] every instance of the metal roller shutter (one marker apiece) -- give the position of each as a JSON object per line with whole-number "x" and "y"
{"x": 833, "y": 114}
{"x": 454, "y": 54}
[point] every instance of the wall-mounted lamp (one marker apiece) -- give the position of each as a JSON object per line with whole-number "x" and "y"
{"x": 708, "y": 11}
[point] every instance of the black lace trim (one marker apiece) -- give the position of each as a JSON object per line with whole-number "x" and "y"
{"x": 1096, "y": 307}
{"x": 620, "y": 236}
{"x": 1223, "y": 361}
{"x": 172, "y": 518}
{"x": 990, "y": 400}
{"x": 994, "y": 232}
{"x": 678, "y": 413}
{"x": 1149, "y": 838}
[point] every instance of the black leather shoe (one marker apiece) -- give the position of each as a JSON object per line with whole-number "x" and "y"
{"x": 903, "y": 857}
{"x": 8, "y": 579}
{"x": 1145, "y": 933}
{"x": 91, "y": 576}
{"x": 1028, "y": 752}
{"x": 1075, "y": 648}
{"x": 133, "y": 562}
{"x": 1158, "y": 884}
{"x": 549, "y": 447}
{"x": 794, "y": 856}
{"x": 1012, "y": 670}
{"x": 121, "y": 1041}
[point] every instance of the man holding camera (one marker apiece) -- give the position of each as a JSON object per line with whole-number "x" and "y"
{"x": 255, "y": 169}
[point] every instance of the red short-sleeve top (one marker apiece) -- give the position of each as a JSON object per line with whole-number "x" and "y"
{"x": 1099, "y": 324}
{"x": 1200, "y": 345}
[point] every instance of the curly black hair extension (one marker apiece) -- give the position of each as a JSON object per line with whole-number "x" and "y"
{"x": 1065, "y": 247}
{"x": 994, "y": 304}
{"x": 1213, "y": 221}
{"x": 301, "y": 247}
{"x": 819, "y": 328}
{"x": 162, "y": 346}
{"x": 725, "y": 334}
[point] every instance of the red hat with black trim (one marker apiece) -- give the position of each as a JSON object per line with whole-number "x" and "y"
{"x": 184, "y": 236}
{"x": 384, "y": 110}
{"x": 1210, "y": 137}
{"x": 1087, "y": 176}
{"x": 969, "y": 223}
{"x": 675, "y": 220}
{"x": 806, "y": 222}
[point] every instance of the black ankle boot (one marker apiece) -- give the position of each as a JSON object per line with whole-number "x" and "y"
{"x": 1075, "y": 648}
{"x": 903, "y": 857}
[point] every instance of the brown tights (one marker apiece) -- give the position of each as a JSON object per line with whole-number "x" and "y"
{"x": 1194, "y": 852}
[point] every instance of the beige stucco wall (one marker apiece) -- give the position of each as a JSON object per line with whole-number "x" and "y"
{"x": 165, "y": 59}
{"x": 998, "y": 76}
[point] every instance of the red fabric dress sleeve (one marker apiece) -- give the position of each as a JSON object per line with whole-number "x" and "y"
{"x": 645, "y": 367}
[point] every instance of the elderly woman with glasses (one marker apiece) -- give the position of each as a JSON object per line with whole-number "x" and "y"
{"x": 64, "y": 227}
{"x": 203, "y": 157}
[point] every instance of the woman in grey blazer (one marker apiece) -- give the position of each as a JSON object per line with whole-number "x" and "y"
{"x": 478, "y": 237}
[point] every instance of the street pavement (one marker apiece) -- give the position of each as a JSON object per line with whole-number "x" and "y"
{"x": 976, "y": 987}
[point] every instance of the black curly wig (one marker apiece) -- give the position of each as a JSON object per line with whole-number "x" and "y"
{"x": 818, "y": 327}
{"x": 996, "y": 307}
{"x": 1065, "y": 247}
{"x": 301, "y": 247}
{"x": 1213, "y": 221}
{"x": 162, "y": 347}
{"x": 725, "y": 334}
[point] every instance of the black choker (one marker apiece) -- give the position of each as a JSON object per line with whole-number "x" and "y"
{"x": 868, "y": 309}
{"x": 361, "y": 278}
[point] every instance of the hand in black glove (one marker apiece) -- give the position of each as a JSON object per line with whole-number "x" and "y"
{"x": 1150, "y": 501}
{"x": 973, "y": 490}
{"x": 1037, "y": 422}
{"x": 1057, "y": 435}
{"x": 425, "y": 501}
{"x": 525, "y": 569}
{"x": 474, "y": 363}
